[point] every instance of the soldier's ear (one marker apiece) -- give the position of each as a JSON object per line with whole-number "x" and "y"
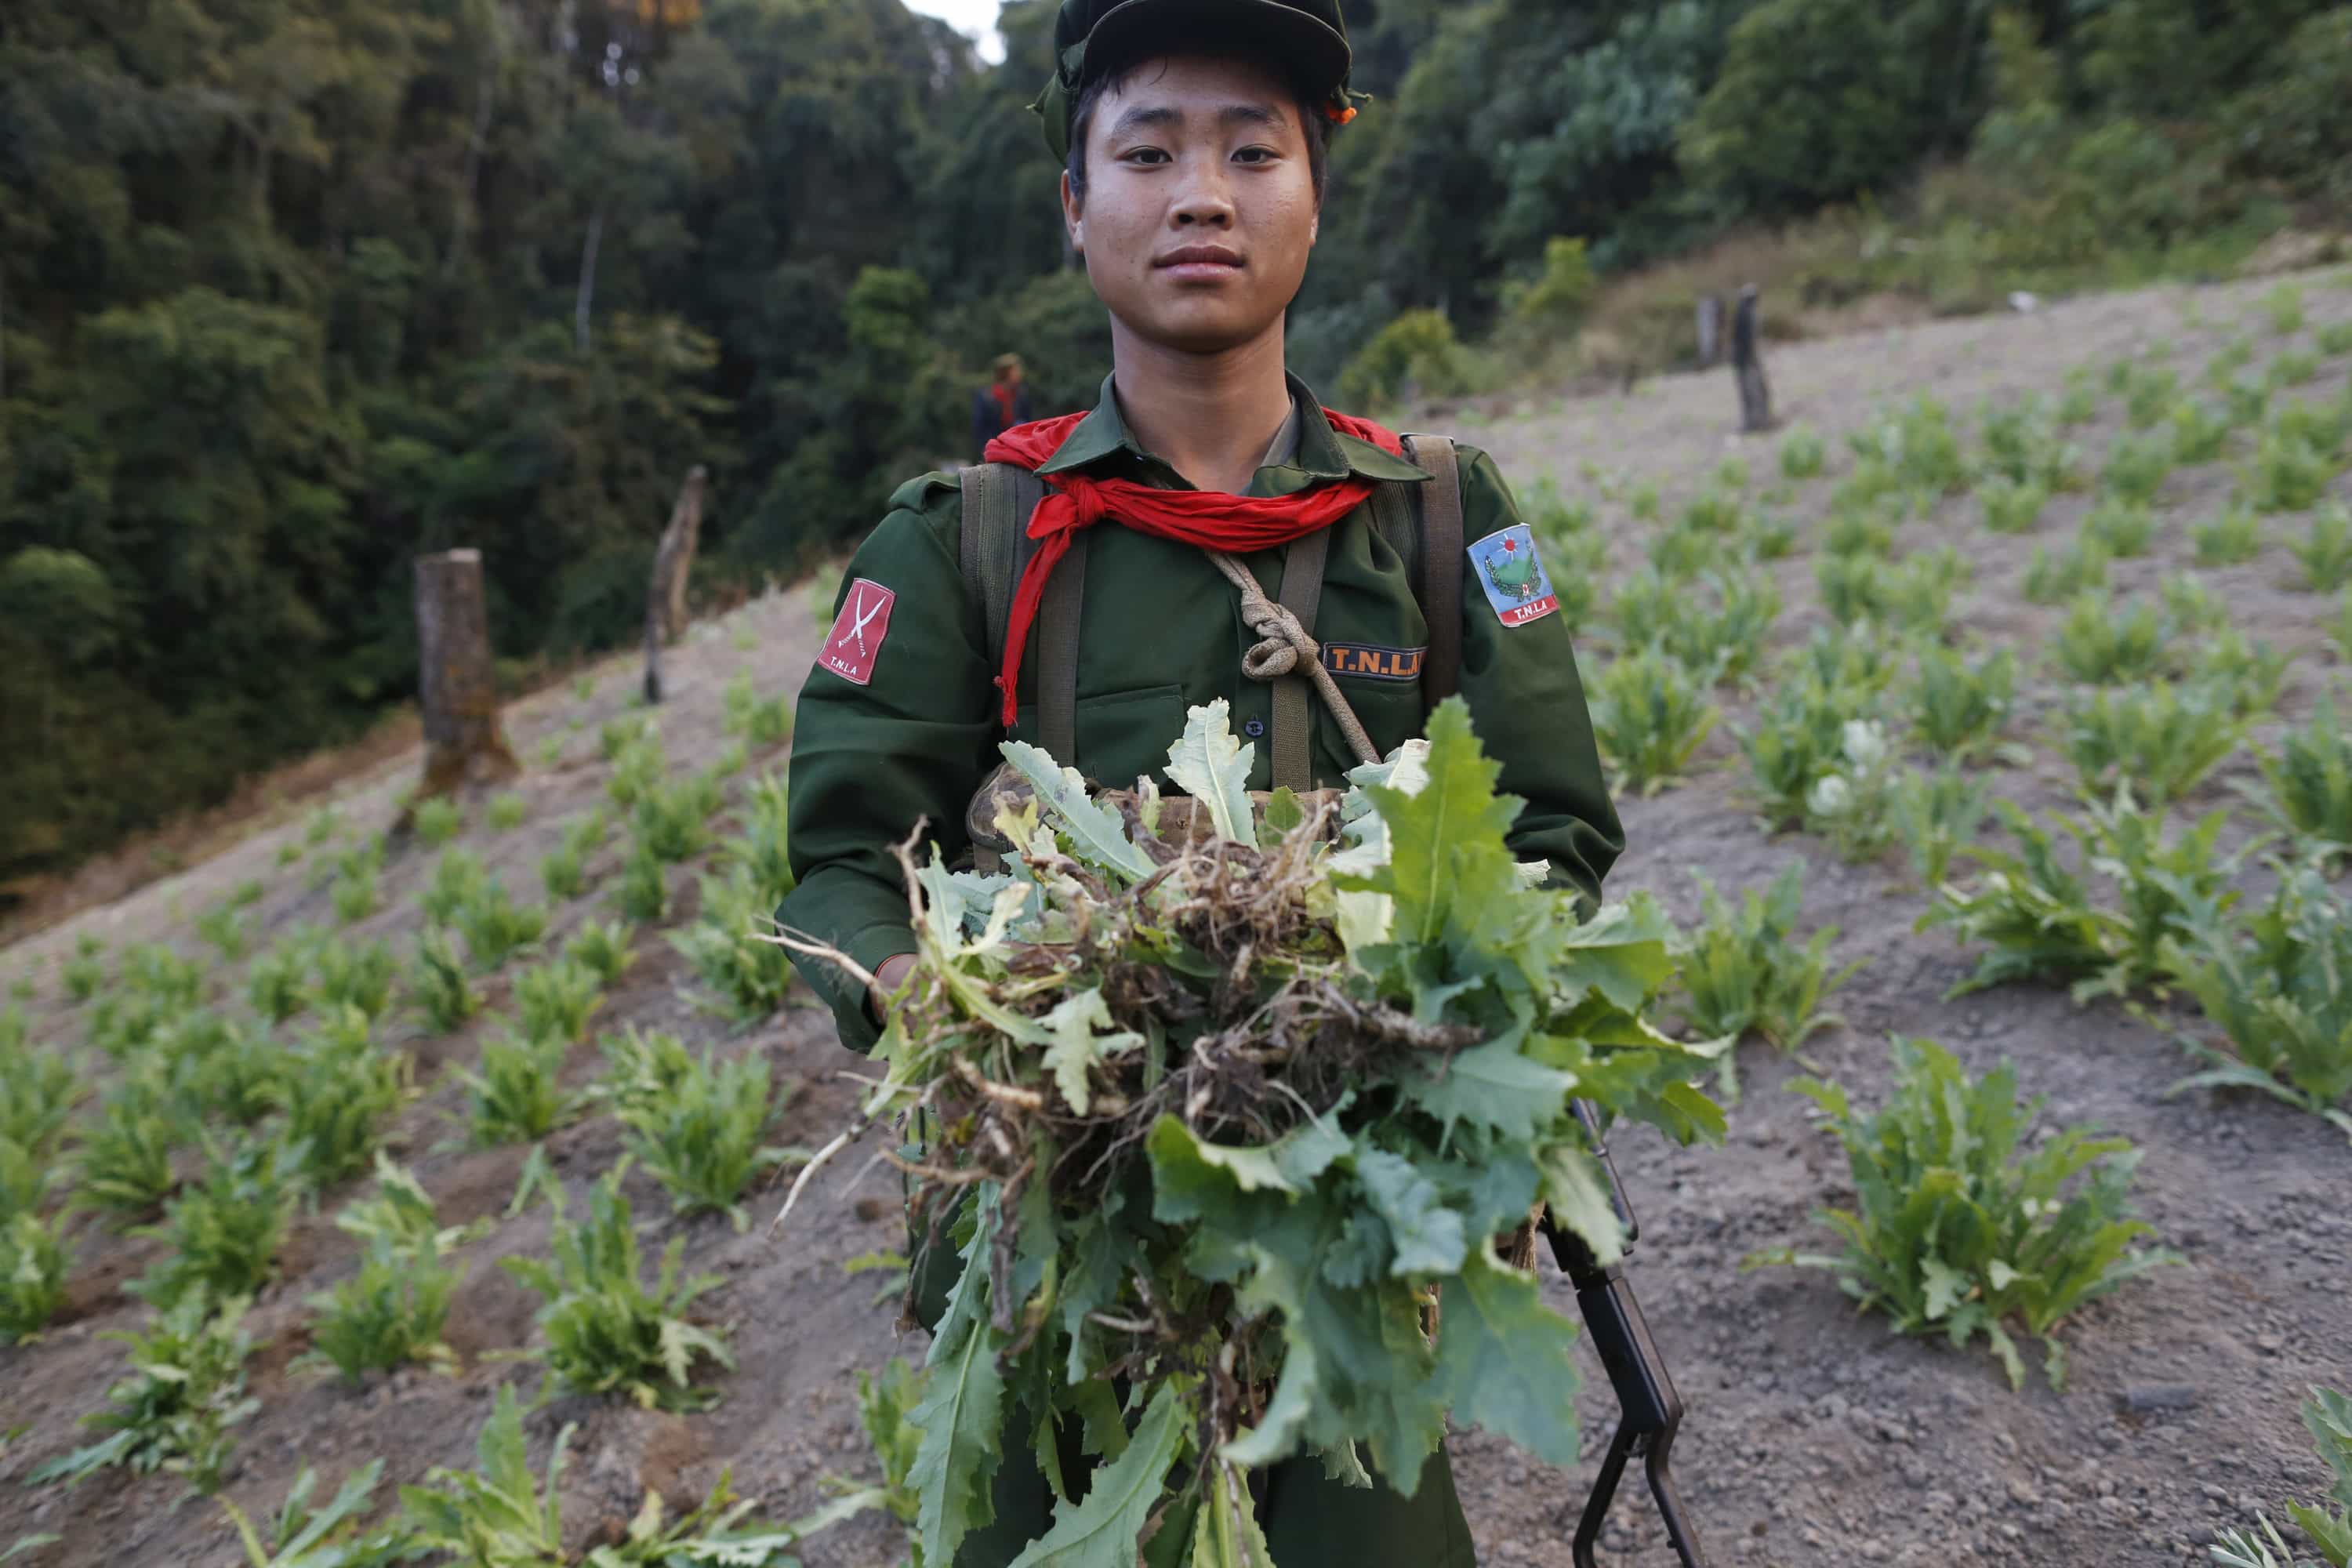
{"x": 1074, "y": 219}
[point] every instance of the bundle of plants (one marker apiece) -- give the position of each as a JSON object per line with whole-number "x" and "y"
{"x": 1231, "y": 1109}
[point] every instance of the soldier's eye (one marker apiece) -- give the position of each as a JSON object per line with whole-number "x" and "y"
{"x": 1150, "y": 155}
{"x": 1256, "y": 155}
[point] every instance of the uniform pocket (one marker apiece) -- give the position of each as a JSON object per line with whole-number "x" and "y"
{"x": 1120, "y": 735}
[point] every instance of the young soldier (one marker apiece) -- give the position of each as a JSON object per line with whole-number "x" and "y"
{"x": 1163, "y": 531}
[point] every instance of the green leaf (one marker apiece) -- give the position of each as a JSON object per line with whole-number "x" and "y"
{"x": 1211, "y": 766}
{"x": 1225, "y": 1532}
{"x": 1102, "y": 1530}
{"x": 1189, "y": 1176}
{"x": 1082, "y": 1033}
{"x": 1507, "y": 1361}
{"x": 1428, "y": 1237}
{"x": 1577, "y": 1196}
{"x": 1098, "y": 833}
{"x": 1495, "y": 1086}
{"x": 1446, "y": 839}
{"x": 959, "y": 1418}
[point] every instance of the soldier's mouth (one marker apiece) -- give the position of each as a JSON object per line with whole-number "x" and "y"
{"x": 1200, "y": 262}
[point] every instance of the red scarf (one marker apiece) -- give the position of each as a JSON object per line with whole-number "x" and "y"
{"x": 1210, "y": 518}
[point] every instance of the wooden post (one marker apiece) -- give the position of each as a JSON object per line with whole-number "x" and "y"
{"x": 1710, "y": 331}
{"x": 1747, "y": 363}
{"x": 463, "y": 743}
{"x": 673, "y": 562}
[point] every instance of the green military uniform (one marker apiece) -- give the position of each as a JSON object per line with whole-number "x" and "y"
{"x": 1160, "y": 631}
{"x": 899, "y": 722}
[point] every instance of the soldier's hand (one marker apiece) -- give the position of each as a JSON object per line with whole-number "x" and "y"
{"x": 888, "y": 979}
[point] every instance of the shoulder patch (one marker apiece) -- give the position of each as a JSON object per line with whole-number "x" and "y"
{"x": 1371, "y": 661}
{"x": 1517, "y": 584}
{"x": 855, "y": 641}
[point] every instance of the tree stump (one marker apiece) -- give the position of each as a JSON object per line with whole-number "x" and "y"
{"x": 1710, "y": 331}
{"x": 458, "y": 691}
{"x": 673, "y": 562}
{"x": 1748, "y": 363}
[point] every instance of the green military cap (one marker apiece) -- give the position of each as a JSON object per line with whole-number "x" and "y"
{"x": 1309, "y": 38}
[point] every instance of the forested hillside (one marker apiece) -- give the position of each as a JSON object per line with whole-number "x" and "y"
{"x": 292, "y": 290}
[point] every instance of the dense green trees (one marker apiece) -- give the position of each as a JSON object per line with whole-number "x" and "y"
{"x": 292, "y": 290}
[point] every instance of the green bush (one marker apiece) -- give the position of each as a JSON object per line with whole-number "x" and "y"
{"x": 32, "y": 1266}
{"x": 762, "y": 848}
{"x": 1958, "y": 706}
{"x": 725, "y": 945}
{"x": 1851, "y": 804}
{"x": 699, "y": 1134}
{"x": 2055, "y": 577}
{"x": 1810, "y": 106}
{"x": 2025, "y": 448}
{"x": 338, "y": 1093}
{"x": 2285, "y": 475}
{"x": 2231, "y": 539}
{"x": 672, "y": 821}
{"x": 603, "y": 1328}
{"x": 2279, "y": 987}
{"x": 2040, "y": 919}
{"x": 218, "y": 1068}
{"x": 345, "y": 975}
{"x": 173, "y": 1412}
{"x": 2137, "y": 469}
{"x": 2291, "y": 368}
{"x": 277, "y": 983}
{"x": 2307, "y": 785}
{"x": 392, "y": 1311}
{"x": 1739, "y": 970}
{"x": 1798, "y": 736}
{"x": 39, "y": 1091}
{"x": 459, "y": 878}
{"x": 2326, "y": 552}
{"x": 2149, "y": 395}
{"x": 225, "y": 1229}
{"x": 2157, "y": 738}
{"x": 330, "y": 1537}
{"x": 2010, "y": 507}
{"x": 637, "y": 769}
{"x": 761, "y": 721}
{"x": 1938, "y": 815}
{"x": 223, "y": 928}
{"x": 2248, "y": 675}
{"x": 2199, "y": 434}
{"x": 438, "y": 985}
{"x": 85, "y": 972}
{"x": 437, "y": 821}
{"x": 1803, "y": 454}
{"x": 1961, "y": 1228}
{"x": 515, "y": 1096}
{"x": 555, "y": 1000}
{"x": 357, "y": 891}
{"x": 498, "y": 1515}
{"x": 602, "y": 949}
{"x": 1557, "y": 296}
{"x": 1650, "y": 715}
{"x": 2123, "y": 530}
{"x": 124, "y": 1160}
{"x": 1415, "y": 354}
{"x": 2101, "y": 643}
{"x": 643, "y": 893}
{"x": 494, "y": 927}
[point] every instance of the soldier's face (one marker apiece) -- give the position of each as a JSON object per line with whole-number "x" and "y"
{"x": 1199, "y": 206}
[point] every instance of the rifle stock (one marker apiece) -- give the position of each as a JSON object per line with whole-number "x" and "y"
{"x": 1651, "y": 1411}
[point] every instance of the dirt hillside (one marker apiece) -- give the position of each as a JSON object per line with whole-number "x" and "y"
{"x": 1814, "y": 1436}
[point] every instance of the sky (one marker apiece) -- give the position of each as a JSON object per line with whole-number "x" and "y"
{"x": 974, "y": 16}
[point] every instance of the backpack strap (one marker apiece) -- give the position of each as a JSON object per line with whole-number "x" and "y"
{"x": 1435, "y": 559}
{"x": 998, "y": 499}
{"x": 1293, "y": 747}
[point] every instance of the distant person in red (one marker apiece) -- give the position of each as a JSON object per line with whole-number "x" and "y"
{"x": 1001, "y": 404}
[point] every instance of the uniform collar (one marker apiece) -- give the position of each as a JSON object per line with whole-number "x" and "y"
{"x": 1320, "y": 453}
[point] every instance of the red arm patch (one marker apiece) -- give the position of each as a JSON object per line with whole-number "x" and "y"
{"x": 855, "y": 641}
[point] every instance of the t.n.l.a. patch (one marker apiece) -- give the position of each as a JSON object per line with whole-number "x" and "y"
{"x": 1514, "y": 580}
{"x": 855, "y": 641}
{"x": 1371, "y": 661}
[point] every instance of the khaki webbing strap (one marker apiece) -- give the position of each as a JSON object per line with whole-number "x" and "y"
{"x": 998, "y": 499}
{"x": 1294, "y": 713}
{"x": 1440, "y": 588}
{"x": 1058, "y": 655}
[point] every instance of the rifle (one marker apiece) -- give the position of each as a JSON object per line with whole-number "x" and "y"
{"x": 1651, "y": 1410}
